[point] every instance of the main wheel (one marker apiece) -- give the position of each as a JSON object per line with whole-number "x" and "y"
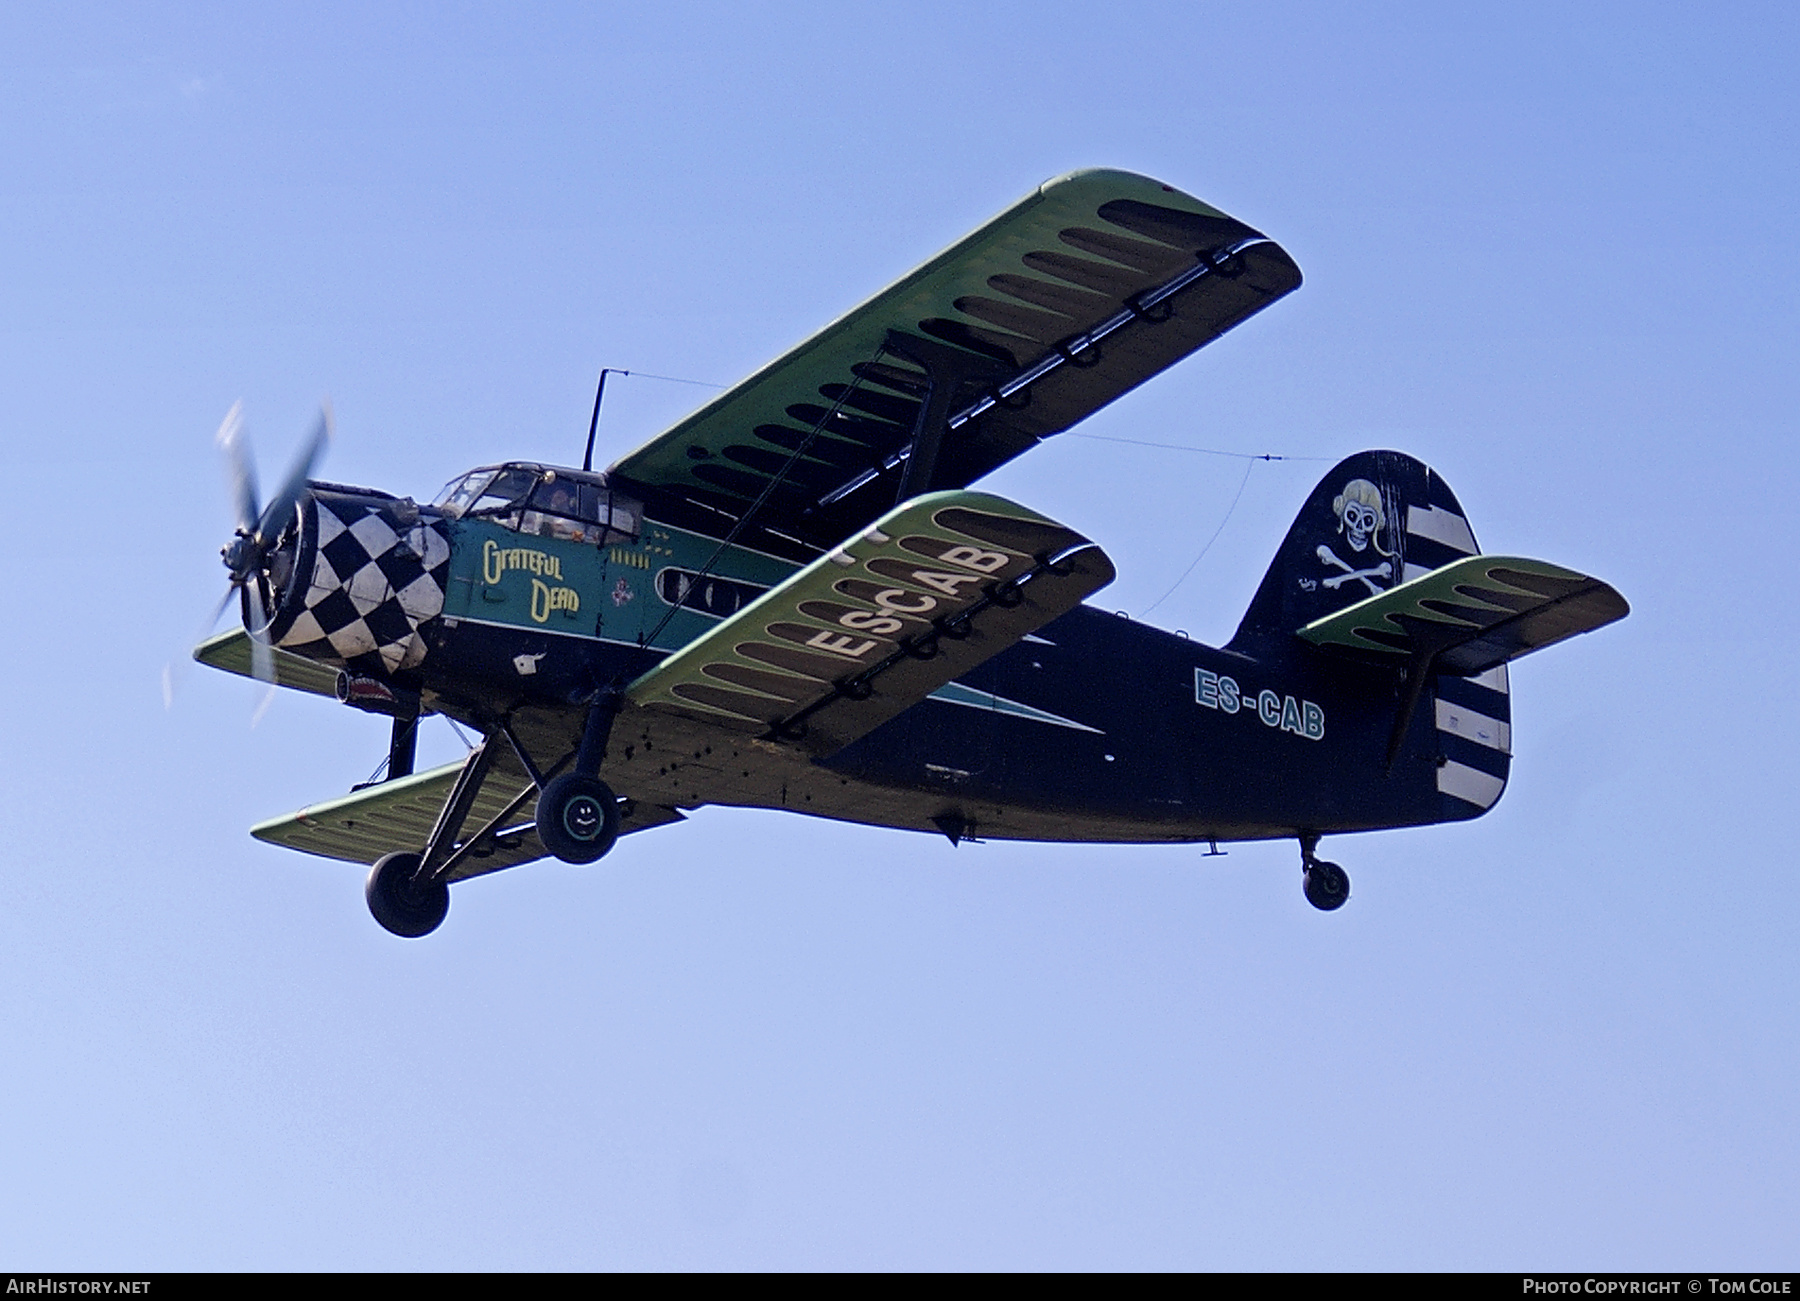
{"x": 400, "y": 906}
{"x": 1327, "y": 885}
{"x": 577, "y": 818}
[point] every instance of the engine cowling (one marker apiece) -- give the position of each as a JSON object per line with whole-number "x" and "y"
{"x": 356, "y": 579}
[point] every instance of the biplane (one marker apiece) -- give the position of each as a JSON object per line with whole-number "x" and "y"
{"x": 793, "y": 599}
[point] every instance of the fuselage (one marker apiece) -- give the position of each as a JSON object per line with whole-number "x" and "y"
{"x": 1097, "y": 728}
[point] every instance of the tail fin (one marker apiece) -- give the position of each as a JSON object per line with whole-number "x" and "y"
{"x": 1382, "y": 566}
{"x": 1379, "y": 519}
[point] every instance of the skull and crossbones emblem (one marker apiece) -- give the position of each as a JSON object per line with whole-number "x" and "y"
{"x": 1360, "y": 515}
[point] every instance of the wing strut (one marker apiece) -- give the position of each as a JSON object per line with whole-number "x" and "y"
{"x": 949, "y": 371}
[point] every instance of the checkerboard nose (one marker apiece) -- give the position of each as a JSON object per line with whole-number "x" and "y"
{"x": 369, "y": 576}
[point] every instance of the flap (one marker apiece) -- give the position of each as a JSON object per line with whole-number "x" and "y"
{"x": 1084, "y": 289}
{"x": 868, "y": 630}
{"x": 1473, "y": 614}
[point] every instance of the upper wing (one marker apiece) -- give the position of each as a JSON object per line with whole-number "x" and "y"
{"x": 868, "y": 630}
{"x": 1473, "y": 614}
{"x": 1078, "y": 293}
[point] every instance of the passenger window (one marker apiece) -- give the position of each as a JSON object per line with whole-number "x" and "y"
{"x": 710, "y": 595}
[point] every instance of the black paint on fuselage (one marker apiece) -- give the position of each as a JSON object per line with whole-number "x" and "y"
{"x": 1097, "y": 727}
{"x": 1157, "y": 757}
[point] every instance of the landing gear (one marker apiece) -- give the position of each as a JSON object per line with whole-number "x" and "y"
{"x": 577, "y": 821}
{"x": 1326, "y": 885}
{"x": 577, "y": 813}
{"x": 577, "y": 818}
{"x": 402, "y": 905}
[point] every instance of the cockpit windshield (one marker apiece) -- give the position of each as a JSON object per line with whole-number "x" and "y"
{"x": 544, "y": 502}
{"x": 458, "y": 493}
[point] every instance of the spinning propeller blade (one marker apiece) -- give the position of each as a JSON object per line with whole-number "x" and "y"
{"x": 175, "y": 672}
{"x": 259, "y": 531}
{"x": 240, "y": 470}
{"x": 280, "y": 510}
{"x": 256, "y": 622}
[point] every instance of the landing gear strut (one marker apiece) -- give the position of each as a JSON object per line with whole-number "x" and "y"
{"x": 577, "y": 820}
{"x": 1327, "y": 886}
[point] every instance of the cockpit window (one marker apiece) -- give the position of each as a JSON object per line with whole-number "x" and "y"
{"x": 459, "y": 493}
{"x": 544, "y": 503}
{"x": 579, "y": 511}
{"x": 505, "y": 491}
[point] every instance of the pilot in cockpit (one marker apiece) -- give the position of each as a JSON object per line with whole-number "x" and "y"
{"x": 557, "y": 522}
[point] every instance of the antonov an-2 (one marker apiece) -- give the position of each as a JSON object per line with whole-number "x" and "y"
{"x": 793, "y": 599}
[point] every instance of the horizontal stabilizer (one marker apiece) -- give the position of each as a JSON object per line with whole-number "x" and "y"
{"x": 1473, "y": 614}
{"x": 400, "y": 815}
{"x": 933, "y": 589}
{"x": 231, "y": 651}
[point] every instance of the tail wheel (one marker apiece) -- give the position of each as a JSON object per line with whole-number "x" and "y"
{"x": 401, "y": 906}
{"x": 1327, "y": 885}
{"x": 577, "y": 818}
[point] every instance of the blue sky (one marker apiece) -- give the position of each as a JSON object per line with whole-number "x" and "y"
{"x": 1548, "y": 249}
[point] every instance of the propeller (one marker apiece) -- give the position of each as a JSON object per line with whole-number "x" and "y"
{"x": 259, "y": 530}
